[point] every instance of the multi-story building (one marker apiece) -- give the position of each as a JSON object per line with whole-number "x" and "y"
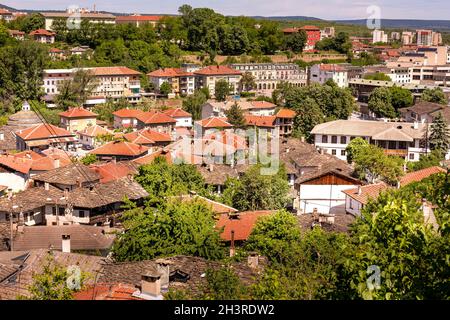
{"x": 434, "y": 55}
{"x": 16, "y": 34}
{"x": 313, "y": 35}
{"x": 396, "y": 138}
{"x": 43, "y": 36}
{"x": 433, "y": 75}
{"x": 257, "y": 108}
{"x": 181, "y": 81}
{"x": 436, "y": 39}
{"x": 112, "y": 82}
{"x": 379, "y": 36}
{"x": 320, "y": 73}
{"x": 92, "y": 17}
{"x": 77, "y": 119}
{"x": 138, "y": 20}
{"x": 395, "y": 36}
{"x": 269, "y": 75}
{"x": 407, "y": 37}
{"x": 424, "y": 37}
{"x": 327, "y": 32}
{"x": 208, "y": 76}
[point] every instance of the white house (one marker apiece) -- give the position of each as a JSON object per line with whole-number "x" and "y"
{"x": 183, "y": 118}
{"x": 321, "y": 73}
{"x": 357, "y": 198}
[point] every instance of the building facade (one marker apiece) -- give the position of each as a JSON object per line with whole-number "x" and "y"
{"x": 321, "y": 73}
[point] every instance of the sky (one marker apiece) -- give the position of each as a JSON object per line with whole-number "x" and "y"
{"x": 325, "y": 9}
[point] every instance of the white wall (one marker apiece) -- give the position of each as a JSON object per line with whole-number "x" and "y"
{"x": 184, "y": 122}
{"x": 14, "y": 181}
{"x": 352, "y": 206}
{"x": 322, "y": 197}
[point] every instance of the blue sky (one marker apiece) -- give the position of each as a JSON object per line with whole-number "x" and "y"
{"x": 325, "y": 9}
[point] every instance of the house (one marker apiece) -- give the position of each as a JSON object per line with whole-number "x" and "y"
{"x": 16, "y": 34}
{"x": 257, "y": 108}
{"x": 425, "y": 112}
{"x": 43, "y": 36}
{"x": 14, "y": 172}
{"x": 43, "y": 136}
{"x": 183, "y": 118}
{"x": 77, "y": 119}
{"x": 79, "y": 51}
{"x": 126, "y": 118}
{"x": 155, "y": 120}
{"x": 181, "y": 81}
{"x": 321, "y": 73}
{"x": 208, "y": 76}
{"x": 313, "y": 35}
{"x": 211, "y": 124}
{"x": 120, "y": 151}
{"x": 357, "y": 198}
{"x": 149, "y": 138}
{"x": 216, "y": 207}
{"x": 83, "y": 15}
{"x": 89, "y": 136}
{"x": 111, "y": 171}
{"x": 57, "y": 54}
{"x": 138, "y": 20}
{"x": 18, "y": 268}
{"x": 285, "y": 120}
{"x": 215, "y": 175}
{"x": 149, "y": 158}
{"x": 396, "y": 138}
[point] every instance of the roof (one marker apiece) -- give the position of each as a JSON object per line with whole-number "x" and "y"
{"x": 112, "y": 171}
{"x": 286, "y": 113}
{"x": 30, "y": 199}
{"x": 138, "y": 18}
{"x": 121, "y": 148}
{"x": 244, "y": 105}
{"x": 310, "y": 28}
{"x": 420, "y": 175}
{"x": 217, "y": 70}
{"x": 331, "y": 67}
{"x": 114, "y": 71}
{"x": 82, "y": 237}
{"x": 214, "y": 122}
{"x": 369, "y": 128}
{"x": 82, "y": 15}
{"x": 78, "y": 113}
{"x": 16, "y": 32}
{"x": 154, "y": 117}
{"x": 260, "y": 121}
{"x": 177, "y": 113}
{"x": 147, "y": 159}
{"x": 216, "y": 207}
{"x": 237, "y": 141}
{"x": 94, "y": 131}
{"x": 72, "y": 174}
{"x": 43, "y": 131}
{"x": 110, "y": 291}
{"x": 127, "y": 113}
{"x": 18, "y": 164}
{"x": 169, "y": 73}
{"x": 364, "y": 193}
{"x": 217, "y": 174}
{"x": 42, "y": 32}
{"x": 147, "y": 136}
{"x": 242, "y": 224}
{"x": 424, "y": 107}
{"x": 263, "y": 105}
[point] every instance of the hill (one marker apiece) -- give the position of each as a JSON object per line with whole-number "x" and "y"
{"x": 438, "y": 25}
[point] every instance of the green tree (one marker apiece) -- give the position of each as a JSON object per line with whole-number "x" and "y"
{"x": 247, "y": 82}
{"x": 88, "y": 159}
{"x": 223, "y": 284}
{"x": 296, "y": 41}
{"x": 380, "y": 76}
{"x": 172, "y": 228}
{"x": 401, "y": 98}
{"x": 76, "y": 91}
{"x": 194, "y": 103}
{"x": 32, "y": 22}
{"x": 429, "y": 160}
{"x": 380, "y": 103}
{"x": 439, "y": 134}
{"x": 165, "y": 88}
{"x": 235, "y": 116}
{"x": 222, "y": 90}
{"x": 355, "y": 147}
{"x": 435, "y": 95}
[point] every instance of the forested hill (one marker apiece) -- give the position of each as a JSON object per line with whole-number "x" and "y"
{"x": 438, "y": 25}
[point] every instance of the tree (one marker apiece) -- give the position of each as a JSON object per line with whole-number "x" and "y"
{"x": 194, "y": 103}
{"x": 440, "y": 134}
{"x": 355, "y": 147}
{"x": 165, "y": 88}
{"x": 254, "y": 191}
{"x": 223, "y": 284}
{"x": 105, "y": 111}
{"x": 55, "y": 282}
{"x": 88, "y": 159}
{"x": 235, "y": 116}
{"x": 32, "y": 22}
{"x": 426, "y": 160}
{"x": 435, "y": 95}
{"x": 76, "y": 91}
{"x": 380, "y": 76}
{"x": 296, "y": 41}
{"x": 247, "y": 82}
{"x": 380, "y": 103}
{"x": 172, "y": 228}
{"x": 401, "y": 98}
{"x": 222, "y": 90}
{"x": 309, "y": 114}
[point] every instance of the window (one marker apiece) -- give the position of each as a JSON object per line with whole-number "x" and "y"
{"x": 333, "y": 152}
{"x": 54, "y": 211}
{"x": 61, "y": 211}
{"x": 402, "y": 145}
{"x": 392, "y": 145}
{"x": 351, "y": 203}
{"x": 324, "y": 139}
{"x": 411, "y": 156}
{"x": 351, "y": 138}
{"x": 343, "y": 140}
{"x": 333, "y": 139}
{"x": 81, "y": 213}
{"x": 342, "y": 152}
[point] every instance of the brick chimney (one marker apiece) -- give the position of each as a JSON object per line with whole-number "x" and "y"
{"x": 163, "y": 267}
{"x": 66, "y": 243}
{"x": 46, "y": 186}
{"x": 56, "y": 163}
{"x": 150, "y": 286}
{"x": 253, "y": 260}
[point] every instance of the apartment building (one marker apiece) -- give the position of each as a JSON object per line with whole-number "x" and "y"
{"x": 313, "y": 35}
{"x": 428, "y": 38}
{"x": 327, "y": 32}
{"x": 138, "y": 20}
{"x": 396, "y": 138}
{"x": 92, "y": 17}
{"x": 379, "y": 36}
{"x": 181, "y": 81}
{"x": 208, "y": 76}
{"x": 269, "y": 75}
{"x": 407, "y": 37}
{"x": 321, "y": 73}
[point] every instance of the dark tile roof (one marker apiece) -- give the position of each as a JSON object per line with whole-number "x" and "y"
{"x": 423, "y": 107}
{"x": 217, "y": 174}
{"x": 30, "y": 199}
{"x": 69, "y": 175}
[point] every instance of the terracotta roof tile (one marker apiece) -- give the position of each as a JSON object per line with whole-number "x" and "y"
{"x": 147, "y": 136}
{"x": 169, "y": 73}
{"x": 217, "y": 70}
{"x": 112, "y": 171}
{"x": 420, "y": 175}
{"x": 120, "y": 148}
{"x": 286, "y": 113}
{"x": 215, "y": 122}
{"x": 78, "y": 113}
{"x": 260, "y": 121}
{"x": 177, "y": 113}
{"x": 242, "y": 224}
{"x": 147, "y": 159}
{"x": 43, "y": 131}
{"x": 42, "y": 32}
{"x": 127, "y": 113}
{"x": 370, "y": 191}
{"x": 133, "y": 18}
{"x": 94, "y": 131}
{"x": 18, "y": 164}
{"x": 154, "y": 117}
{"x": 115, "y": 71}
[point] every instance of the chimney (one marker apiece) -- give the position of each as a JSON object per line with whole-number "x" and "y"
{"x": 46, "y": 186}
{"x": 302, "y": 139}
{"x": 359, "y": 190}
{"x": 66, "y": 243}
{"x": 232, "y": 248}
{"x": 79, "y": 184}
{"x": 56, "y": 163}
{"x": 211, "y": 167}
{"x": 253, "y": 260}
{"x": 113, "y": 160}
{"x": 163, "y": 267}
{"x": 151, "y": 286}
{"x": 2, "y": 136}
{"x": 416, "y": 125}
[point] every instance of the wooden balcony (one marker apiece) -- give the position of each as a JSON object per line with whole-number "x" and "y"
{"x": 396, "y": 152}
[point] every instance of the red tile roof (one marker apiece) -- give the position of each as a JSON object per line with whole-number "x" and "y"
{"x": 114, "y": 71}
{"x": 55, "y": 50}
{"x": 43, "y": 131}
{"x": 263, "y": 104}
{"x": 217, "y": 70}
{"x": 242, "y": 225}
{"x": 107, "y": 292}
{"x": 286, "y": 113}
{"x": 147, "y": 136}
{"x": 229, "y": 138}
{"x": 331, "y": 67}
{"x": 127, "y": 113}
{"x": 290, "y": 30}
{"x": 113, "y": 171}
{"x": 78, "y": 113}
{"x": 420, "y": 175}
{"x": 310, "y": 28}
{"x": 260, "y": 121}
{"x": 169, "y": 73}
{"x": 94, "y": 131}
{"x": 147, "y": 159}
{"x": 45, "y": 162}
{"x": 42, "y": 32}
{"x": 154, "y": 117}
{"x": 18, "y": 164}
{"x": 177, "y": 113}
{"x": 370, "y": 191}
{"x": 216, "y": 207}
{"x": 120, "y": 148}
{"x": 215, "y": 122}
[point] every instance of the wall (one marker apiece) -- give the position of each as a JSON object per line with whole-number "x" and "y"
{"x": 15, "y": 181}
{"x": 325, "y": 198}
{"x": 352, "y": 206}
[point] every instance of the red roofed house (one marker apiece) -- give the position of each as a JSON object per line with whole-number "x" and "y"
{"x": 43, "y": 36}
{"x": 181, "y": 81}
{"x": 89, "y": 135}
{"x": 138, "y": 20}
{"x": 210, "y": 125}
{"x": 149, "y": 138}
{"x": 14, "y": 172}
{"x": 239, "y": 226}
{"x": 312, "y": 34}
{"x": 285, "y": 120}
{"x": 120, "y": 151}
{"x": 77, "y": 119}
{"x": 183, "y": 118}
{"x": 16, "y": 34}
{"x": 257, "y": 108}
{"x": 113, "y": 170}
{"x": 117, "y": 82}
{"x": 208, "y": 76}
{"x": 126, "y": 118}
{"x": 320, "y": 73}
{"x": 43, "y": 136}
{"x": 155, "y": 120}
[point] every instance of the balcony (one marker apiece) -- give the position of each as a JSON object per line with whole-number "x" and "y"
{"x": 396, "y": 152}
